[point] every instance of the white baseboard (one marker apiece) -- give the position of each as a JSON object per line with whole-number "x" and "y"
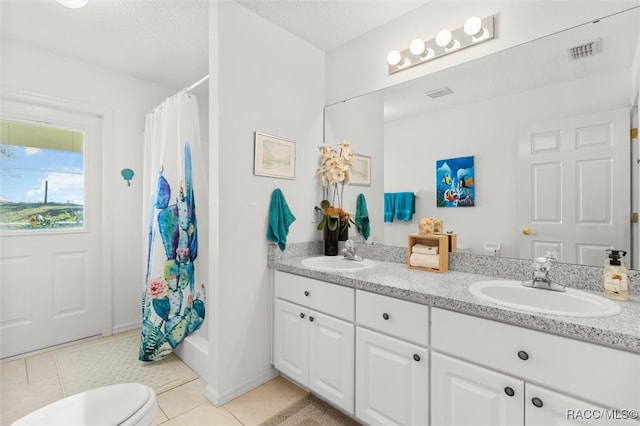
{"x": 219, "y": 399}
{"x": 121, "y": 328}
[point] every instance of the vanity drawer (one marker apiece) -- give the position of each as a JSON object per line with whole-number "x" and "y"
{"x": 332, "y": 299}
{"x": 395, "y": 317}
{"x": 597, "y": 373}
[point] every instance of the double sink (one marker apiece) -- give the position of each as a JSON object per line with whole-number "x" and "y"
{"x": 509, "y": 293}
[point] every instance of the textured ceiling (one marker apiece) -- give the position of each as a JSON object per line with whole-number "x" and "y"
{"x": 160, "y": 40}
{"x": 166, "y": 41}
{"x": 328, "y": 24}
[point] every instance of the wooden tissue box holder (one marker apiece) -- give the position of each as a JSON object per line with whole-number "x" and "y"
{"x": 435, "y": 240}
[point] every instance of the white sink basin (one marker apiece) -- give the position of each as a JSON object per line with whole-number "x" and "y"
{"x": 336, "y": 263}
{"x": 573, "y": 303}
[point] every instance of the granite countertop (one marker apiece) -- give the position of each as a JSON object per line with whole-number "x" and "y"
{"x": 450, "y": 290}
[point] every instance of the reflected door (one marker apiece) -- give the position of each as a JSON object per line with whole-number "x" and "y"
{"x": 51, "y": 274}
{"x": 574, "y": 187}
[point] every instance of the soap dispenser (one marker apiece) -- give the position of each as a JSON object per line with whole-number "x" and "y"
{"x": 616, "y": 285}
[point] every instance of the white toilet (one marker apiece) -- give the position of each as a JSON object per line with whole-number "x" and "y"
{"x": 125, "y": 404}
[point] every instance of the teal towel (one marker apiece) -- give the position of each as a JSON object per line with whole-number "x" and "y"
{"x": 280, "y": 218}
{"x": 405, "y": 205}
{"x": 362, "y": 217}
{"x": 389, "y": 206}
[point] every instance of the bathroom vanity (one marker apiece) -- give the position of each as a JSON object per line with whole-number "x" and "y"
{"x": 390, "y": 345}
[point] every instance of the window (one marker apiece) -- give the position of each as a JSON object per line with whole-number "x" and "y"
{"x": 41, "y": 177}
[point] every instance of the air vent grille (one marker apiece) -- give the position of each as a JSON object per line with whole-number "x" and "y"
{"x": 586, "y": 49}
{"x": 443, "y": 91}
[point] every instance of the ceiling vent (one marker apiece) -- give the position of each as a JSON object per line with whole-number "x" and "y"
{"x": 443, "y": 91}
{"x": 586, "y": 49}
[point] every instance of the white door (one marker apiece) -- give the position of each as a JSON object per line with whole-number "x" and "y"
{"x": 291, "y": 340}
{"x": 574, "y": 180}
{"x": 464, "y": 394}
{"x": 52, "y": 285}
{"x": 391, "y": 380}
{"x": 331, "y": 359}
{"x": 548, "y": 408}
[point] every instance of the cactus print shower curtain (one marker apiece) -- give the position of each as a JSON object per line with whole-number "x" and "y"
{"x": 173, "y": 299}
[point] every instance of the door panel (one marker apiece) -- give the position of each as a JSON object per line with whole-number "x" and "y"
{"x": 556, "y": 409}
{"x": 464, "y": 394}
{"x": 573, "y": 175}
{"x": 51, "y": 279}
{"x": 331, "y": 352}
{"x": 391, "y": 380}
{"x": 291, "y": 340}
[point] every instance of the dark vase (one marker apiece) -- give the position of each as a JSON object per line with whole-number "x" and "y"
{"x": 331, "y": 241}
{"x": 343, "y": 227}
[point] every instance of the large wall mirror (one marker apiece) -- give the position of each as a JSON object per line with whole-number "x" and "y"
{"x": 549, "y": 134}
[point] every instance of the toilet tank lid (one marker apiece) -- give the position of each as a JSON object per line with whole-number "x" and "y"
{"x": 104, "y": 406}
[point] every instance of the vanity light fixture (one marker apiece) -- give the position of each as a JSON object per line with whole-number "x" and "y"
{"x": 394, "y": 57}
{"x": 73, "y": 4}
{"x": 474, "y": 31}
{"x": 445, "y": 39}
{"x": 473, "y": 27}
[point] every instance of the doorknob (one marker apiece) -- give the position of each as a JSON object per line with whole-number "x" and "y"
{"x": 527, "y": 231}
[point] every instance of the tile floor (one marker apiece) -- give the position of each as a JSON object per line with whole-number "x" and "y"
{"x": 29, "y": 383}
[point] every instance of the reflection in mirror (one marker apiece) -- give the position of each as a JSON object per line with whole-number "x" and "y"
{"x": 549, "y": 135}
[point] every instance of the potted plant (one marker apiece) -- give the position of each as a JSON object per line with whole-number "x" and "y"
{"x": 335, "y": 171}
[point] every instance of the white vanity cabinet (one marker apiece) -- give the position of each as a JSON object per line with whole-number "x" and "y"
{"x": 314, "y": 336}
{"x": 466, "y": 394}
{"x": 392, "y": 361}
{"x": 511, "y": 375}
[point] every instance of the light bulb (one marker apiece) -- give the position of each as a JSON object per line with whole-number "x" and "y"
{"x": 394, "y": 57}
{"x": 444, "y": 38}
{"x": 73, "y": 4}
{"x": 473, "y": 27}
{"x": 417, "y": 47}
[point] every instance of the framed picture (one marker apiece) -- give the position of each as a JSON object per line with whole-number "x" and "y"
{"x": 274, "y": 156}
{"x": 361, "y": 170}
{"x": 455, "y": 182}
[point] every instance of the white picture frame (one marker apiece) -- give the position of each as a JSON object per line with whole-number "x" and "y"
{"x": 274, "y": 156}
{"x": 360, "y": 170}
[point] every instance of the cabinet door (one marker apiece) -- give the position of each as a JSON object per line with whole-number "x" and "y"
{"x": 391, "y": 380}
{"x": 331, "y": 359}
{"x": 548, "y": 408}
{"x": 291, "y": 340}
{"x": 465, "y": 394}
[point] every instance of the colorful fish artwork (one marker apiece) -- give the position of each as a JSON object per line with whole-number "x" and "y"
{"x": 173, "y": 303}
{"x": 455, "y": 185}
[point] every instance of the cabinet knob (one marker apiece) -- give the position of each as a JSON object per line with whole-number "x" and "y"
{"x": 311, "y": 319}
{"x": 385, "y": 316}
{"x": 306, "y": 293}
{"x": 416, "y": 357}
{"x": 537, "y": 402}
{"x": 523, "y": 355}
{"x": 509, "y": 391}
{"x": 301, "y": 314}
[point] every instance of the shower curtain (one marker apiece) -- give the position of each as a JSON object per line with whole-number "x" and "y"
{"x": 173, "y": 299}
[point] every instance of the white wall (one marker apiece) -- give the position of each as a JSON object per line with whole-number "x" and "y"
{"x": 489, "y": 132}
{"x": 45, "y": 73}
{"x": 272, "y": 82}
{"x": 360, "y": 66}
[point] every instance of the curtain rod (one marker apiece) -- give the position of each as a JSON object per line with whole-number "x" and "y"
{"x": 198, "y": 83}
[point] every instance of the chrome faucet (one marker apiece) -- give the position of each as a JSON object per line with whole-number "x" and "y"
{"x": 541, "y": 279}
{"x": 349, "y": 251}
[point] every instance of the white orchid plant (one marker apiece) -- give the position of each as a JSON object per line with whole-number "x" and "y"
{"x": 335, "y": 171}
